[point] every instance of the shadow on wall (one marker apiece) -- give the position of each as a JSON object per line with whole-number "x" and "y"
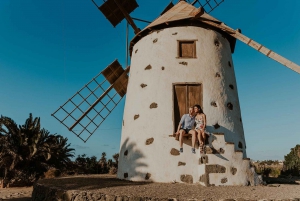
{"x": 130, "y": 162}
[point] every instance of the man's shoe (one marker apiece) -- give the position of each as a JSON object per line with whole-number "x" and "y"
{"x": 181, "y": 150}
{"x": 193, "y": 150}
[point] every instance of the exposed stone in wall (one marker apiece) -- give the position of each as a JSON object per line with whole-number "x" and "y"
{"x": 126, "y": 153}
{"x": 203, "y": 160}
{"x": 174, "y": 33}
{"x": 213, "y": 104}
{"x": 240, "y": 145}
{"x": 163, "y": 68}
{"x": 136, "y": 51}
{"x": 221, "y": 151}
{"x": 224, "y": 180}
{"x": 183, "y": 63}
{"x": 216, "y": 126}
{"x": 148, "y": 67}
{"x": 229, "y": 63}
{"x": 233, "y": 170}
{"x": 149, "y": 141}
{"x": 230, "y": 106}
{"x": 186, "y": 178}
{"x": 205, "y": 179}
{"x": 174, "y": 152}
{"x": 155, "y": 40}
{"x": 218, "y": 75}
{"x": 216, "y": 42}
{"x": 136, "y": 116}
{"x": 212, "y": 150}
{"x": 215, "y": 169}
{"x": 125, "y": 175}
{"x": 143, "y": 85}
{"x": 231, "y": 86}
{"x": 181, "y": 163}
{"x": 148, "y": 175}
{"x": 153, "y": 105}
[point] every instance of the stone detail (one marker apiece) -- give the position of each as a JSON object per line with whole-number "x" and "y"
{"x": 136, "y": 116}
{"x": 217, "y": 43}
{"x": 230, "y": 106}
{"x": 231, "y": 86}
{"x": 181, "y": 163}
{"x": 229, "y": 63}
{"x": 213, "y": 104}
{"x": 149, "y": 141}
{"x": 183, "y": 63}
{"x": 126, "y": 153}
{"x": 153, "y": 105}
{"x": 240, "y": 145}
{"x": 212, "y": 150}
{"x": 215, "y": 169}
{"x": 205, "y": 179}
{"x": 148, "y": 67}
{"x": 186, "y": 178}
{"x": 163, "y": 68}
{"x": 216, "y": 126}
{"x": 174, "y": 152}
{"x": 203, "y": 160}
{"x": 224, "y": 180}
{"x": 155, "y": 40}
{"x": 233, "y": 170}
{"x": 174, "y": 33}
{"x": 136, "y": 51}
{"x": 148, "y": 175}
{"x": 218, "y": 75}
{"x": 143, "y": 85}
{"x": 221, "y": 151}
{"x": 125, "y": 175}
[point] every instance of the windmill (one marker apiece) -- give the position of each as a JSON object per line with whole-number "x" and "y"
{"x": 180, "y": 59}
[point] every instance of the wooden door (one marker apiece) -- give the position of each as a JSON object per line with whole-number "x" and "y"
{"x": 185, "y": 95}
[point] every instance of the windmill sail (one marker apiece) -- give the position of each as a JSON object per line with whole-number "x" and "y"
{"x": 86, "y": 110}
{"x": 262, "y": 49}
{"x": 208, "y": 5}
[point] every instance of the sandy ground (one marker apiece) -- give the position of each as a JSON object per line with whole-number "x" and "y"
{"x": 16, "y": 194}
{"x": 109, "y": 185}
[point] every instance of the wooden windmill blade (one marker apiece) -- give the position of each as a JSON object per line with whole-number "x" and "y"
{"x": 262, "y": 49}
{"x": 87, "y": 109}
{"x": 208, "y": 5}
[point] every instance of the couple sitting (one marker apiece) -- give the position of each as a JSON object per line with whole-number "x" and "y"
{"x": 187, "y": 126}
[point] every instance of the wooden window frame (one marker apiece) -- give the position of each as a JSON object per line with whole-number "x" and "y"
{"x": 173, "y": 97}
{"x": 179, "y": 46}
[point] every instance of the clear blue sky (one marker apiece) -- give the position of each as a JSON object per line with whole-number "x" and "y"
{"x": 50, "y": 49}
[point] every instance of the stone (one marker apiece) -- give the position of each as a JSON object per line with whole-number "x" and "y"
{"x": 186, "y": 178}
{"x": 231, "y": 86}
{"x": 230, "y": 106}
{"x": 136, "y": 116}
{"x": 148, "y": 175}
{"x": 218, "y": 75}
{"x": 203, "y": 160}
{"x": 110, "y": 198}
{"x": 213, "y": 104}
{"x": 126, "y": 153}
{"x": 183, "y": 63}
{"x": 224, "y": 180}
{"x": 174, "y": 152}
{"x": 155, "y": 40}
{"x": 148, "y": 67}
{"x": 174, "y": 33}
{"x": 136, "y": 51}
{"x": 205, "y": 179}
{"x": 149, "y": 141}
{"x": 153, "y": 105}
{"x": 143, "y": 85}
{"x": 233, "y": 170}
{"x": 181, "y": 163}
{"x": 240, "y": 145}
{"x": 229, "y": 64}
{"x": 125, "y": 175}
{"x": 163, "y": 68}
{"x": 215, "y": 169}
{"x": 221, "y": 151}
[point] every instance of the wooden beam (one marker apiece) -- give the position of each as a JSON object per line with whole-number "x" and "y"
{"x": 128, "y": 18}
{"x": 248, "y": 41}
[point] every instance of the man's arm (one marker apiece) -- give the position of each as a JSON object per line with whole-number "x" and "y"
{"x": 180, "y": 124}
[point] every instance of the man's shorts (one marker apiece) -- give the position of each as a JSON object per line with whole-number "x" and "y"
{"x": 187, "y": 130}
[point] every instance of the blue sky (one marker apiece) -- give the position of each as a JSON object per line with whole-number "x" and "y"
{"x": 50, "y": 49}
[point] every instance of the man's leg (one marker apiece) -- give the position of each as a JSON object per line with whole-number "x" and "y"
{"x": 181, "y": 135}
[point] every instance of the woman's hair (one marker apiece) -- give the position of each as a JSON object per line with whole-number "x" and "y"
{"x": 199, "y": 107}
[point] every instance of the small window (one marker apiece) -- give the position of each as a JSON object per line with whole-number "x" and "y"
{"x": 187, "y": 49}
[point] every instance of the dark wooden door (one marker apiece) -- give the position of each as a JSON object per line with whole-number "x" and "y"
{"x": 185, "y": 95}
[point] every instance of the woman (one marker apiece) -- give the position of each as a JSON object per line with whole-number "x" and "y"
{"x": 200, "y": 120}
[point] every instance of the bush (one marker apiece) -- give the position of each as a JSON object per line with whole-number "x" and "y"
{"x": 113, "y": 170}
{"x": 52, "y": 173}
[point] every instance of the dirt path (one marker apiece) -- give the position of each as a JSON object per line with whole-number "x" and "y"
{"x": 16, "y": 194}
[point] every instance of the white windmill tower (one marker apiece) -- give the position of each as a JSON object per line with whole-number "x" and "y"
{"x": 180, "y": 59}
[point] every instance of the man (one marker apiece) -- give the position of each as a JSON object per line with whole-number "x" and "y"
{"x": 185, "y": 126}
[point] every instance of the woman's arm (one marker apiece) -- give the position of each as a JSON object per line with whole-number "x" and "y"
{"x": 204, "y": 121}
